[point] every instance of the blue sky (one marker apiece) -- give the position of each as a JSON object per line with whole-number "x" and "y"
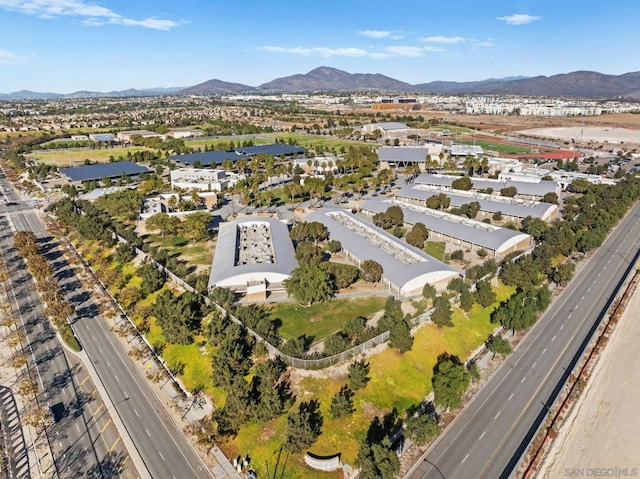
{"x": 69, "y": 45}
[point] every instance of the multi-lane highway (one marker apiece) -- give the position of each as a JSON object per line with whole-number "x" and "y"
{"x": 84, "y": 443}
{"x": 158, "y": 440}
{"x": 488, "y": 437}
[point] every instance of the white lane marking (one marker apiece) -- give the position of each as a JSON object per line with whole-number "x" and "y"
{"x": 589, "y": 290}
{"x": 582, "y": 297}
{"x": 608, "y": 261}
{"x": 136, "y": 412}
{"x": 147, "y": 431}
{"x": 60, "y": 444}
{"x": 562, "y": 326}
{"x": 510, "y": 397}
{"x": 93, "y": 337}
{"x": 496, "y": 416}
{"x": 534, "y": 365}
{"x": 161, "y": 456}
{"x": 599, "y": 274}
{"x": 544, "y": 350}
{"x": 108, "y": 364}
{"x": 87, "y": 327}
{"x": 482, "y": 435}
{"x": 465, "y": 458}
{"x": 523, "y": 379}
{"x": 77, "y": 428}
{"x": 553, "y": 339}
{"x": 116, "y": 378}
{"x": 569, "y": 317}
{"x": 100, "y": 349}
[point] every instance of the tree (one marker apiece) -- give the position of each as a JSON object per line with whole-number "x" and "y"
{"x": 123, "y": 253}
{"x": 393, "y": 217}
{"x": 534, "y": 227}
{"x": 342, "y": 403}
{"x": 167, "y": 225}
{"x": 438, "y": 202}
{"x": 233, "y": 357}
{"x": 450, "y": 381}
{"x": 196, "y": 225}
{"x": 309, "y": 284}
{"x": 499, "y": 345}
{"x": 152, "y": 278}
{"x": 418, "y": 235}
{"x": 509, "y": 191}
{"x": 467, "y": 299}
{"x": 429, "y": 291}
{"x": 303, "y": 427}
{"x": 358, "y": 375}
{"x": 308, "y": 253}
{"x": 551, "y": 197}
{"x": 335, "y": 343}
{"x": 400, "y": 336}
{"x": 422, "y": 429}
{"x": 442, "y": 314}
{"x": 457, "y": 255}
{"x": 463, "y": 183}
{"x": 342, "y": 275}
{"x": 309, "y": 231}
{"x": 371, "y": 271}
{"x": 484, "y": 294}
{"x": 377, "y": 460}
{"x": 470, "y": 210}
{"x": 563, "y": 273}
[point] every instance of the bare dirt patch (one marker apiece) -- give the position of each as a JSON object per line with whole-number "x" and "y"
{"x": 602, "y": 430}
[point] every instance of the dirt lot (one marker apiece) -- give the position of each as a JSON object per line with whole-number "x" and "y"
{"x": 601, "y": 435}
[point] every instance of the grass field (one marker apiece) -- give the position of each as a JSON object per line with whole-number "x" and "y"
{"x": 322, "y": 319}
{"x": 435, "y": 249}
{"x": 499, "y": 147}
{"x": 397, "y": 381}
{"x": 200, "y": 253}
{"x": 316, "y": 142}
{"x": 72, "y": 157}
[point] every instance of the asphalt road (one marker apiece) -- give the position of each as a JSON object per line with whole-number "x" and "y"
{"x": 84, "y": 444}
{"x": 489, "y": 436}
{"x": 158, "y": 439}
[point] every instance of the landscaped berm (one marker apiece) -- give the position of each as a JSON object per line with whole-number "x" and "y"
{"x": 397, "y": 381}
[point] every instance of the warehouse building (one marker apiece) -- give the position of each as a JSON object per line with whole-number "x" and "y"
{"x": 78, "y": 174}
{"x": 514, "y": 209}
{"x": 277, "y": 150}
{"x": 533, "y": 189}
{"x": 403, "y": 156}
{"x": 405, "y": 269}
{"x": 207, "y": 158}
{"x": 461, "y": 232}
{"x": 253, "y": 256}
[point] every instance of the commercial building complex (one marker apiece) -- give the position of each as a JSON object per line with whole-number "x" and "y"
{"x": 253, "y": 256}
{"x": 405, "y": 269}
{"x": 459, "y": 231}
{"x": 78, "y": 174}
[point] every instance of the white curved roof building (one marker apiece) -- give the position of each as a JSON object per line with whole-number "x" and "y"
{"x": 461, "y": 231}
{"x": 252, "y": 251}
{"x": 405, "y": 269}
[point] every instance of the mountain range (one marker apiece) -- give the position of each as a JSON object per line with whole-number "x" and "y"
{"x": 579, "y": 84}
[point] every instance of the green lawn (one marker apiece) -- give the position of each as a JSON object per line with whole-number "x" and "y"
{"x": 200, "y": 253}
{"x": 397, "y": 380}
{"x": 77, "y": 156}
{"x": 322, "y": 319}
{"x": 499, "y": 147}
{"x": 435, "y": 249}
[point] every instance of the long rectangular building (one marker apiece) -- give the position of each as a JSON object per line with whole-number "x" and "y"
{"x": 405, "y": 269}
{"x": 511, "y": 208}
{"x": 460, "y": 231}
{"x": 532, "y": 188}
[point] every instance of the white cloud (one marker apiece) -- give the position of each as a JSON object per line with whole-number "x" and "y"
{"x": 341, "y": 52}
{"x": 11, "y": 58}
{"x": 375, "y": 33}
{"x": 485, "y": 43}
{"x": 90, "y": 13}
{"x": 380, "y": 55}
{"x": 322, "y": 51}
{"x": 405, "y": 51}
{"x": 519, "y": 19}
{"x": 443, "y": 39}
{"x": 431, "y": 48}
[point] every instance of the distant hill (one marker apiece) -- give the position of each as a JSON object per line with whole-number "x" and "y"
{"x": 32, "y": 95}
{"x": 584, "y": 84}
{"x": 332, "y": 79}
{"x": 580, "y": 84}
{"x": 216, "y": 87}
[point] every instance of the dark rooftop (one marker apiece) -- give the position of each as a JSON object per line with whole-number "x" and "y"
{"x": 274, "y": 149}
{"x": 208, "y": 158}
{"x": 101, "y": 170}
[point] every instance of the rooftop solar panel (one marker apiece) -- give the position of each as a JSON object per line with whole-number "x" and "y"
{"x": 101, "y": 170}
